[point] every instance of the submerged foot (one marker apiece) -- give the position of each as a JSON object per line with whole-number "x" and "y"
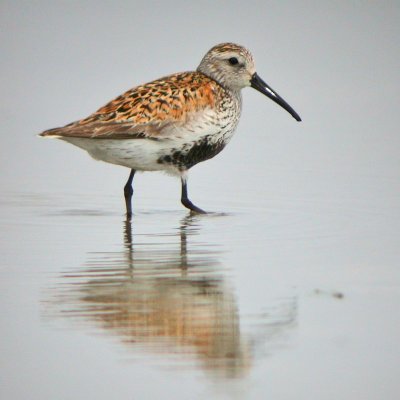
{"x": 188, "y": 204}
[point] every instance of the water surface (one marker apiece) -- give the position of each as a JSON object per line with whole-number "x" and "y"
{"x": 230, "y": 304}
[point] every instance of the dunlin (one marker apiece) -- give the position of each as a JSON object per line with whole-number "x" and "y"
{"x": 172, "y": 123}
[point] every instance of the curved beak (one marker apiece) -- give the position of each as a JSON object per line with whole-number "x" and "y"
{"x": 258, "y": 84}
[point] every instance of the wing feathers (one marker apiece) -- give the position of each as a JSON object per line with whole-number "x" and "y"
{"x": 146, "y": 111}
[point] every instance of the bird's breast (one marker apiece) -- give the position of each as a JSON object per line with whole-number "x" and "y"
{"x": 204, "y": 135}
{"x": 219, "y": 122}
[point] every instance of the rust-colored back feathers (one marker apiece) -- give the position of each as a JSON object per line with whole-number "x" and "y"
{"x": 144, "y": 110}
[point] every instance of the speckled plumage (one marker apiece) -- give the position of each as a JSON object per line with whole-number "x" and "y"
{"x": 146, "y": 110}
{"x": 168, "y": 117}
{"x": 172, "y": 123}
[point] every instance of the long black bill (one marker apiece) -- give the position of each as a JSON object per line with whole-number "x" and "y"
{"x": 258, "y": 84}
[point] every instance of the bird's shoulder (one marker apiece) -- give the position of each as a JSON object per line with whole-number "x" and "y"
{"x": 170, "y": 97}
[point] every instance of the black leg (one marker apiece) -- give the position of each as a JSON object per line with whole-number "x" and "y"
{"x": 128, "y": 191}
{"x": 185, "y": 200}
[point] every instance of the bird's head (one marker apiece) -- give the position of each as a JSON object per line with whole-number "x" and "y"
{"x": 232, "y": 66}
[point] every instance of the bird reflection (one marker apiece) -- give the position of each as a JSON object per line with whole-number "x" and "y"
{"x": 164, "y": 294}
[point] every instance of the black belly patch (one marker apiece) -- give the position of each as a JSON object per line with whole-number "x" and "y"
{"x": 187, "y": 157}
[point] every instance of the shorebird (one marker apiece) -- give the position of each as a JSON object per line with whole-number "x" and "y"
{"x": 172, "y": 123}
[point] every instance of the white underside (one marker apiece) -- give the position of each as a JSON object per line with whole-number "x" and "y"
{"x": 138, "y": 154}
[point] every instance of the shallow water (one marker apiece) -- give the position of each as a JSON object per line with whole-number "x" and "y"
{"x": 253, "y": 301}
{"x": 288, "y": 289}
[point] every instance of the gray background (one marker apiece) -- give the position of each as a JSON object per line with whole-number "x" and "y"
{"x": 312, "y": 208}
{"x": 336, "y": 64}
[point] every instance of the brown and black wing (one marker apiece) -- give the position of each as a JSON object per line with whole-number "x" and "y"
{"x": 146, "y": 111}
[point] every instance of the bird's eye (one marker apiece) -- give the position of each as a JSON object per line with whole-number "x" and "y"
{"x": 233, "y": 61}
